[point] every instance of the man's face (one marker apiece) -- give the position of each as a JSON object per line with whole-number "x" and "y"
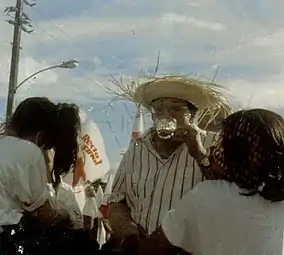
{"x": 175, "y": 108}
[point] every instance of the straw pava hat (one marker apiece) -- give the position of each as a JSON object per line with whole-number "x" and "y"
{"x": 208, "y": 97}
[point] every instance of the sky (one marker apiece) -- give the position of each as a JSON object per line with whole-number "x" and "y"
{"x": 122, "y": 38}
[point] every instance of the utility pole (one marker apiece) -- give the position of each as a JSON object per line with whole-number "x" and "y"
{"x": 21, "y": 23}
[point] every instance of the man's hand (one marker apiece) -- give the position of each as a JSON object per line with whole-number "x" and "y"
{"x": 89, "y": 190}
{"x": 190, "y": 134}
{"x": 121, "y": 222}
{"x": 142, "y": 232}
{"x": 48, "y": 216}
{"x": 127, "y": 230}
{"x": 157, "y": 243}
{"x": 129, "y": 244}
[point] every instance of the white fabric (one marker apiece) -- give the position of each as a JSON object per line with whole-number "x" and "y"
{"x": 93, "y": 151}
{"x": 91, "y": 208}
{"x": 23, "y": 179}
{"x": 80, "y": 195}
{"x": 109, "y": 185}
{"x": 99, "y": 196}
{"x": 151, "y": 185}
{"x": 66, "y": 199}
{"x": 214, "y": 219}
{"x": 101, "y": 233}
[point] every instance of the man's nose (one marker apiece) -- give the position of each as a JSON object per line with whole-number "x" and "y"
{"x": 165, "y": 113}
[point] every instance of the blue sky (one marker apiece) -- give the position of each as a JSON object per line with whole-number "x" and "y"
{"x": 122, "y": 38}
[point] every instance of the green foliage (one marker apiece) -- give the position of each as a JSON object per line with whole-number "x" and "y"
{"x": 97, "y": 183}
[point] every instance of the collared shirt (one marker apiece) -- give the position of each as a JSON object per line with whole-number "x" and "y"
{"x": 150, "y": 185}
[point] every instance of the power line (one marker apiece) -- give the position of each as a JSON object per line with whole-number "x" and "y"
{"x": 21, "y": 22}
{"x": 62, "y": 31}
{"x": 71, "y": 40}
{"x": 54, "y": 25}
{"x": 114, "y": 135}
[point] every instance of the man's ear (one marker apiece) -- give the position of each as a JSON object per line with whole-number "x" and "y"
{"x": 193, "y": 116}
{"x": 153, "y": 117}
{"x": 39, "y": 139}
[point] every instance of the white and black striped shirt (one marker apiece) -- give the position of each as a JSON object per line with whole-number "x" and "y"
{"x": 151, "y": 185}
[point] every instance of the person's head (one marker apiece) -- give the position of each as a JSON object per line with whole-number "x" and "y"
{"x": 250, "y": 152}
{"x": 184, "y": 112}
{"x": 50, "y": 126}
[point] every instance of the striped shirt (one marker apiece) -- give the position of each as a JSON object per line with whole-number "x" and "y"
{"x": 150, "y": 185}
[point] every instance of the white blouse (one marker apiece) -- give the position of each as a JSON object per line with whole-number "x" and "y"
{"x": 23, "y": 179}
{"x": 214, "y": 219}
{"x": 24, "y": 184}
{"x": 66, "y": 199}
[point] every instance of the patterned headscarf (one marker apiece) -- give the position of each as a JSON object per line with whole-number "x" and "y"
{"x": 249, "y": 150}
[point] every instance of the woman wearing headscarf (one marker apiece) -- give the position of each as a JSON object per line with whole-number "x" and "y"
{"x": 31, "y": 219}
{"x": 241, "y": 211}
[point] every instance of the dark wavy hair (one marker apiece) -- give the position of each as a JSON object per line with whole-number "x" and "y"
{"x": 251, "y": 152}
{"x": 57, "y": 127}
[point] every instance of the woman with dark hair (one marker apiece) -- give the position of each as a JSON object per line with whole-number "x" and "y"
{"x": 30, "y": 220}
{"x": 241, "y": 211}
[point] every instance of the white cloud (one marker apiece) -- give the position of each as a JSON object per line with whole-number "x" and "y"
{"x": 193, "y": 3}
{"x": 169, "y": 18}
{"x": 258, "y": 92}
{"x": 232, "y": 34}
{"x": 122, "y": 37}
{"x": 29, "y": 66}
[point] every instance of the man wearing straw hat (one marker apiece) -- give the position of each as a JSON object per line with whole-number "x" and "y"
{"x": 163, "y": 165}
